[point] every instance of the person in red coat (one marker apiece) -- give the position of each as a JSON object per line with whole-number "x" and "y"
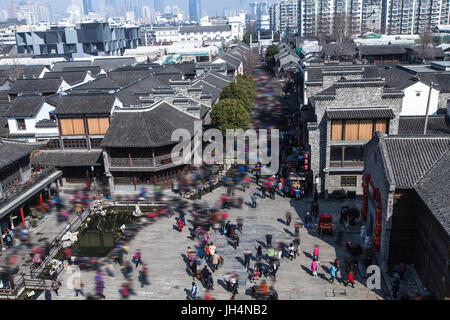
{"x": 350, "y": 279}
{"x": 180, "y": 225}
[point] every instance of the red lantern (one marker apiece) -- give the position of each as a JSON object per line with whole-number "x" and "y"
{"x": 364, "y": 213}
{"x": 378, "y": 214}
{"x": 376, "y": 236}
{"x": 376, "y": 245}
{"x": 377, "y": 223}
{"x": 377, "y": 230}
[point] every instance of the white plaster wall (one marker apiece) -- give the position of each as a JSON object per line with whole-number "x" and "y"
{"x": 413, "y": 105}
{"x": 30, "y": 123}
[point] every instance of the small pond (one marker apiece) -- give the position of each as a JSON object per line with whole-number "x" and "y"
{"x": 102, "y": 232}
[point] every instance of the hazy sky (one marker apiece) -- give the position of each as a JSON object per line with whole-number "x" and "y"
{"x": 208, "y": 6}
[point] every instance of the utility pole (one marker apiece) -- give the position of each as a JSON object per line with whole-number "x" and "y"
{"x": 428, "y": 107}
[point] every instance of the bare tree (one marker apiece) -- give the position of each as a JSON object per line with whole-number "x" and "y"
{"x": 14, "y": 70}
{"x": 341, "y": 25}
{"x": 251, "y": 61}
{"x": 426, "y": 43}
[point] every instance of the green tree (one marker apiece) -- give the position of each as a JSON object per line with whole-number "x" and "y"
{"x": 246, "y": 38}
{"x": 271, "y": 51}
{"x": 246, "y": 82}
{"x": 236, "y": 91}
{"x": 229, "y": 114}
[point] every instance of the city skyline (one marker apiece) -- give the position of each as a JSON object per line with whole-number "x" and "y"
{"x": 211, "y": 8}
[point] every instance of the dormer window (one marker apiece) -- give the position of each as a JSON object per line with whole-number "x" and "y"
{"x": 21, "y": 124}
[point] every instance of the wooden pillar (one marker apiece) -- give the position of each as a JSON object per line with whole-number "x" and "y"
{"x": 129, "y": 158}
{"x": 1, "y": 239}
{"x": 153, "y": 155}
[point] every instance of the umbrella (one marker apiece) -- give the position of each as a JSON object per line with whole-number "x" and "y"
{"x": 151, "y": 215}
{"x": 225, "y": 215}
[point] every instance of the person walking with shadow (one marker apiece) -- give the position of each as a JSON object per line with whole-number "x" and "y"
{"x": 288, "y": 217}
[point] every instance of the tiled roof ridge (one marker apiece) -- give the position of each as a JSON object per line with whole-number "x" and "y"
{"x": 432, "y": 166}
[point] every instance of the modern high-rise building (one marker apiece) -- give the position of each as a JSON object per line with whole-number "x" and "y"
{"x": 110, "y": 8}
{"x": 12, "y": 10}
{"x": 284, "y": 16}
{"x": 146, "y": 15}
{"x": 195, "y": 10}
{"x": 259, "y": 13}
{"x": 159, "y": 6}
{"x": 356, "y": 17}
{"x": 413, "y": 16}
{"x": 133, "y": 6}
{"x": 80, "y": 5}
{"x": 33, "y": 13}
{"x": 86, "y": 39}
{"x": 252, "y": 10}
{"x": 87, "y": 7}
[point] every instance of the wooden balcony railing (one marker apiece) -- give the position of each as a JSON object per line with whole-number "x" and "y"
{"x": 156, "y": 162}
{"x": 337, "y": 164}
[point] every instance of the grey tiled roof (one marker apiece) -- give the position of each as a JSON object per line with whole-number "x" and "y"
{"x": 216, "y": 80}
{"x": 427, "y": 53}
{"x": 14, "y": 150}
{"x": 124, "y": 78}
{"x": 25, "y": 71}
{"x": 25, "y": 106}
{"x": 68, "y": 158}
{"x": 147, "y": 128}
{"x": 45, "y": 86}
{"x": 411, "y": 157}
{"x": 46, "y": 123}
{"x": 109, "y": 64}
{"x": 84, "y": 103}
{"x": 232, "y": 62}
{"x": 187, "y": 68}
{"x": 130, "y": 94}
{"x": 60, "y": 66}
{"x": 216, "y": 28}
{"x": 381, "y": 50}
{"x": 4, "y": 130}
{"x": 396, "y": 77}
{"x": 441, "y": 80}
{"x": 103, "y": 82}
{"x": 341, "y": 49}
{"x": 434, "y": 190}
{"x": 94, "y": 70}
{"x": 366, "y": 113}
{"x": 72, "y": 77}
{"x": 439, "y": 124}
{"x": 208, "y": 88}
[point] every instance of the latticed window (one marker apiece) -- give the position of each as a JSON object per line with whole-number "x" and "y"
{"x": 75, "y": 144}
{"x": 351, "y": 130}
{"x": 348, "y": 181}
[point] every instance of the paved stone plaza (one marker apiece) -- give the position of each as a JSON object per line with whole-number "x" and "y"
{"x": 163, "y": 249}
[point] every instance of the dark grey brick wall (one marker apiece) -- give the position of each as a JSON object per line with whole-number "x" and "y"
{"x": 375, "y": 165}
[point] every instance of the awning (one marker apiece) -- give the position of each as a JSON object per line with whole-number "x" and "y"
{"x": 367, "y": 113}
{"x": 62, "y": 159}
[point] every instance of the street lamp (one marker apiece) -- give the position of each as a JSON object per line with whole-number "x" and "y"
{"x": 428, "y": 107}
